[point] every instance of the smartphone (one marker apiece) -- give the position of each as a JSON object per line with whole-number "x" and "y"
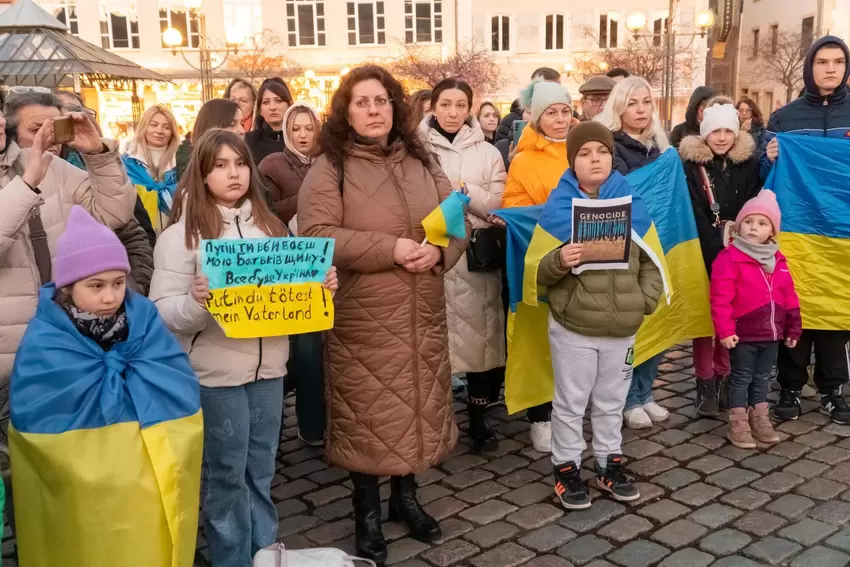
{"x": 63, "y": 130}
{"x": 516, "y": 129}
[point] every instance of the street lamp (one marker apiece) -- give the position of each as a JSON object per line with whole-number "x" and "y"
{"x": 172, "y": 38}
{"x": 637, "y": 23}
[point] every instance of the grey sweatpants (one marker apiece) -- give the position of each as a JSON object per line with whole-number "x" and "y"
{"x": 588, "y": 369}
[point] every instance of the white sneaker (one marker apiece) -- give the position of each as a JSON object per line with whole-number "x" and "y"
{"x": 636, "y": 418}
{"x": 655, "y": 412}
{"x": 541, "y": 436}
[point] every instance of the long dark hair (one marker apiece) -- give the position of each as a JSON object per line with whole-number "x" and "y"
{"x": 215, "y": 113}
{"x": 203, "y": 219}
{"x": 337, "y": 133}
{"x": 414, "y": 103}
{"x": 758, "y": 117}
{"x": 278, "y": 87}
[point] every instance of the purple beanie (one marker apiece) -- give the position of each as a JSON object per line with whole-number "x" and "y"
{"x": 87, "y": 248}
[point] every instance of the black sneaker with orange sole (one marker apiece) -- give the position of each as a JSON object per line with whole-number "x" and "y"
{"x": 612, "y": 479}
{"x": 569, "y": 487}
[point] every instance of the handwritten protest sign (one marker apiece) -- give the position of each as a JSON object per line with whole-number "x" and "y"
{"x": 266, "y": 287}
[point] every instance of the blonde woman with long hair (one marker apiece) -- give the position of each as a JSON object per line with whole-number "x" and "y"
{"x": 631, "y": 116}
{"x": 151, "y": 162}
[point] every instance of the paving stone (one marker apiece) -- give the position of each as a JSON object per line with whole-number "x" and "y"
{"x": 674, "y": 403}
{"x": 764, "y": 463}
{"x": 732, "y": 478}
{"x": 839, "y": 430}
{"x": 462, "y": 463}
{"x": 651, "y": 466}
{"x": 327, "y": 495}
{"x": 834, "y": 512}
{"x": 412, "y": 563}
{"x": 330, "y": 475}
{"x": 817, "y": 418}
{"x": 759, "y": 523}
{"x": 488, "y": 512}
{"x": 746, "y": 498}
{"x": 688, "y": 557}
{"x": 600, "y": 513}
{"x": 641, "y": 449}
{"x": 584, "y": 549}
{"x": 679, "y": 534}
{"x": 323, "y": 535}
{"x": 465, "y": 479}
{"x": 715, "y": 515}
{"x": 505, "y": 465}
{"x": 841, "y": 540}
{"x": 530, "y": 494}
{"x": 286, "y": 508}
{"x": 703, "y": 426}
{"x": 734, "y": 453}
{"x": 626, "y": 528}
{"x": 821, "y": 557}
{"x": 334, "y": 511}
{"x": 507, "y": 554}
{"x": 676, "y": 479}
{"x": 772, "y": 550}
{"x": 450, "y": 553}
{"x": 639, "y": 553}
{"x": 292, "y": 489}
{"x": 648, "y": 493}
{"x": 710, "y": 442}
{"x": 491, "y": 534}
{"x": 725, "y": 542}
{"x": 546, "y": 538}
{"x": 403, "y": 549}
{"x": 664, "y": 511}
{"x": 696, "y": 494}
{"x": 548, "y": 561}
{"x": 600, "y": 563}
{"x": 840, "y": 473}
{"x": 477, "y": 494}
{"x": 816, "y": 439}
{"x": 807, "y": 532}
{"x": 305, "y": 468}
{"x": 710, "y": 464}
{"x": 796, "y": 427}
{"x": 830, "y": 455}
{"x": 444, "y": 507}
{"x": 805, "y": 468}
{"x": 777, "y": 483}
{"x": 790, "y": 506}
{"x": 789, "y": 449}
{"x": 451, "y": 528}
{"x": 671, "y": 437}
{"x": 430, "y": 476}
{"x": 821, "y": 489}
{"x": 296, "y": 525}
{"x": 685, "y": 452}
{"x": 518, "y": 479}
{"x": 535, "y": 516}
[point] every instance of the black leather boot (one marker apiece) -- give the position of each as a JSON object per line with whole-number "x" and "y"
{"x": 369, "y": 539}
{"x": 483, "y": 438}
{"x": 405, "y": 507}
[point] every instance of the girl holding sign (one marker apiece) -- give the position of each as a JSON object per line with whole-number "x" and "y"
{"x": 241, "y": 379}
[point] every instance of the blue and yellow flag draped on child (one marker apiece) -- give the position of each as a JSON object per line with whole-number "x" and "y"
{"x": 810, "y": 179}
{"x": 663, "y": 226}
{"x": 106, "y": 446}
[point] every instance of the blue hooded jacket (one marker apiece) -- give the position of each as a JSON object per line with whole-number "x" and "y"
{"x": 813, "y": 114}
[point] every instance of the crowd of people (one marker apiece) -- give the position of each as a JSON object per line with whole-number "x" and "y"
{"x": 376, "y": 391}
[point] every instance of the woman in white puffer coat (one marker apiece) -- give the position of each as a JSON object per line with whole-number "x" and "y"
{"x": 476, "y": 317}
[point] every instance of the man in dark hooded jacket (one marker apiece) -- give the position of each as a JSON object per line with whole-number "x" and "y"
{"x": 824, "y": 111}
{"x": 693, "y": 116}
{"x": 504, "y": 130}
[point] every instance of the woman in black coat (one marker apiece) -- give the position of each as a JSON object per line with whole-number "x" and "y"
{"x": 273, "y": 100}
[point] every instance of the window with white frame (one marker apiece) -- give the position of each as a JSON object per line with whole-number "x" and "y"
{"x": 305, "y": 23}
{"x": 245, "y": 16}
{"x": 366, "y": 23}
{"x": 556, "y": 32}
{"x": 500, "y": 33}
{"x": 659, "y": 30}
{"x": 609, "y": 29}
{"x": 119, "y": 25}
{"x": 181, "y": 20}
{"x": 423, "y": 21}
{"x": 63, "y": 10}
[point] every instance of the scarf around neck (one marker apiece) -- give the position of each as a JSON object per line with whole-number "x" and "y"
{"x": 764, "y": 254}
{"x": 105, "y": 331}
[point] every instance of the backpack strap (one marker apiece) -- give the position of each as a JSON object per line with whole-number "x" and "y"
{"x": 38, "y": 236}
{"x": 709, "y": 194}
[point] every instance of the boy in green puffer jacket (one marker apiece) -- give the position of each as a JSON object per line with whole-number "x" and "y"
{"x": 593, "y": 320}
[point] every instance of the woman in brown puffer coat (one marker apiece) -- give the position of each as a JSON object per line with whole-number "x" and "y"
{"x": 388, "y": 374}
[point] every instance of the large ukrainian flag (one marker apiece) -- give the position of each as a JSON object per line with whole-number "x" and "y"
{"x": 659, "y": 189}
{"x": 105, "y": 446}
{"x": 811, "y": 180}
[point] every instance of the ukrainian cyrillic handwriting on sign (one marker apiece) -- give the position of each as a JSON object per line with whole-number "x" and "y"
{"x": 267, "y": 287}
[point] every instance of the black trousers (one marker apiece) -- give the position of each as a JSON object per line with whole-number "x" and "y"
{"x": 752, "y": 364}
{"x": 832, "y": 361}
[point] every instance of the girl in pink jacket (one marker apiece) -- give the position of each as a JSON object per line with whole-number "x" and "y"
{"x": 754, "y": 306}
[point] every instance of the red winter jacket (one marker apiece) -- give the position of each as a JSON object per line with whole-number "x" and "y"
{"x": 748, "y": 302}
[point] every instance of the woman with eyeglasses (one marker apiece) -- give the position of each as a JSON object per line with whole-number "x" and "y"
{"x": 243, "y": 93}
{"x": 266, "y": 138}
{"x": 389, "y": 395}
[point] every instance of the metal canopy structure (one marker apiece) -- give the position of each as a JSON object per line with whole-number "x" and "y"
{"x": 37, "y": 50}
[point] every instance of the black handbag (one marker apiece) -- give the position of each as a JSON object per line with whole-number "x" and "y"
{"x": 487, "y": 250}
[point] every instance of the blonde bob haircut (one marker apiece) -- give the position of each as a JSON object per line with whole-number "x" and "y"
{"x": 618, "y": 103}
{"x": 139, "y": 146}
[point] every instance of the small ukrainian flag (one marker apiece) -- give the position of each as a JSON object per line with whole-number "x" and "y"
{"x": 447, "y": 220}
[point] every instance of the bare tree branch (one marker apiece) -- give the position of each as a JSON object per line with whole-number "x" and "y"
{"x": 780, "y": 63}
{"x": 263, "y": 56}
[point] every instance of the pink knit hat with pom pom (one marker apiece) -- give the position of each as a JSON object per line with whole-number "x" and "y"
{"x": 762, "y": 204}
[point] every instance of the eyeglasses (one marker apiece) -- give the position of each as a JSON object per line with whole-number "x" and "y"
{"x": 21, "y": 89}
{"x": 380, "y": 102}
{"x": 597, "y": 100}
{"x": 77, "y": 108}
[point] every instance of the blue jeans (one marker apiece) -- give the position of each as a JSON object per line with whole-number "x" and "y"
{"x": 241, "y": 436}
{"x": 640, "y": 392}
{"x": 308, "y": 367}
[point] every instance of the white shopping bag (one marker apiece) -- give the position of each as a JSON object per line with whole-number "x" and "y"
{"x": 278, "y": 556}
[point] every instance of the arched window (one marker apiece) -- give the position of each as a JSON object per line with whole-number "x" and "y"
{"x": 609, "y": 29}
{"x": 555, "y": 32}
{"x": 500, "y": 33}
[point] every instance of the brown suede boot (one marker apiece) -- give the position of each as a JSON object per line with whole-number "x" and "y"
{"x": 739, "y": 429}
{"x": 760, "y": 424}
